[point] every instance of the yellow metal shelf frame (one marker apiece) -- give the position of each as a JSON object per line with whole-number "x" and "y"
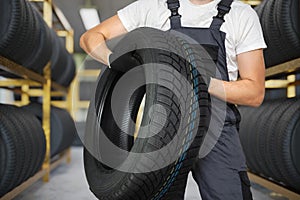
{"x": 32, "y": 84}
{"x": 279, "y": 190}
{"x": 285, "y": 69}
{"x": 12, "y": 194}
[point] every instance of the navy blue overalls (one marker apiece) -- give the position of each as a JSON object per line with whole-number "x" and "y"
{"x": 222, "y": 173}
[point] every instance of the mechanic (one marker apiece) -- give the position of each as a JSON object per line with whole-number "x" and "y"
{"x": 235, "y": 28}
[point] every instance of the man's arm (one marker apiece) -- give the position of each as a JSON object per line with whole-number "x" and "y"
{"x": 93, "y": 41}
{"x": 250, "y": 89}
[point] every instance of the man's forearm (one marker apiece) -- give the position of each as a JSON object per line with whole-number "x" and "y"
{"x": 241, "y": 92}
{"x": 94, "y": 40}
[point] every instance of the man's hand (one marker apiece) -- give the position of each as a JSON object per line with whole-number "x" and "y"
{"x": 121, "y": 63}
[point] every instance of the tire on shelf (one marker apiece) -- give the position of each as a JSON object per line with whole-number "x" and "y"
{"x": 69, "y": 72}
{"x": 25, "y": 135}
{"x": 277, "y": 143}
{"x": 63, "y": 66}
{"x": 246, "y": 132}
{"x": 19, "y": 41}
{"x": 280, "y": 23}
{"x": 59, "y": 57}
{"x": 108, "y": 183}
{"x": 62, "y": 127}
{"x": 36, "y": 137}
{"x": 9, "y": 153}
{"x": 258, "y": 119}
{"x": 12, "y": 15}
{"x": 287, "y": 162}
{"x": 271, "y": 145}
{"x": 29, "y": 144}
{"x": 26, "y": 39}
{"x": 270, "y": 109}
{"x": 23, "y": 148}
{"x": 42, "y": 53}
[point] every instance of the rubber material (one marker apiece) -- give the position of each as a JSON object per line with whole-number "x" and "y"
{"x": 107, "y": 183}
{"x": 280, "y": 21}
{"x": 274, "y": 129}
{"x": 26, "y": 39}
{"x": 63, "y": 67}
{"x": 42, "y": 54}
{"x": 11, "y": 155}
{"x": 62, "y": 127}
{"x": 23, "y": 149}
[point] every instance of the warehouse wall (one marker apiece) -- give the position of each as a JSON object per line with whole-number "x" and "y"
{"x": 70, "y": 8}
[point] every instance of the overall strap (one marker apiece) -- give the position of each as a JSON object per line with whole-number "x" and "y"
{"x": 173, "y": 6}
{"x": 223, "y": 8}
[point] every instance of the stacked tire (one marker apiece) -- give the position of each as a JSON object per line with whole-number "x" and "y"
{"x": 26, "y": 39}
{"x": 22, "y": 147}
{"x": 62, "y": 127}
{"x": 23, "y": 34}
{"x": 280, "y": 20}
{"x": 270, "y": 136}
{"x": 62, "y": 63}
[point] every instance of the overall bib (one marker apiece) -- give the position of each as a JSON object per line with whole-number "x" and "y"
{"x": 222, "y": 173}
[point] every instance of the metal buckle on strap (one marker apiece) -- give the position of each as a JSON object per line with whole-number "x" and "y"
{"x": 173, "y": 7}
{"x": 224, "y": 8}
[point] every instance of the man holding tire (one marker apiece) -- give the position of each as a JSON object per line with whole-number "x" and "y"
{"x": 231, "y": 31}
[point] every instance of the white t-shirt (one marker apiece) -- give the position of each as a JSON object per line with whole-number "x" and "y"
{"x": 242, "y": 26}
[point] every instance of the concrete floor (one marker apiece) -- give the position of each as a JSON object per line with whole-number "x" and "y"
{"x": 69, "y": 182}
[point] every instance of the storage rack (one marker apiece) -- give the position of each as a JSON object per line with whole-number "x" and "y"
{"x": 252, "y": 2}
{"x": 288, "y": 69}
{"x": 87, "y": 75}
{"x": 47, "y": 89}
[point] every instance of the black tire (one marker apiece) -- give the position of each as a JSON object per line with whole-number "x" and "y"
{"x": 271, "y": 145}
{"x": 12, "y": 13}
{"x": 270, "y": 109}
{"x": 25, "y": 40}
{"x": 280, "y": 23}
{"x": 276, "y": 127}
{"x": 257, "y": 122}
{"x": 168, "y": 182}
{"x": 59, "y": 57}
{"x": 9, "y": 153}
{"x": 24, "y": 133}
{"x": 26, "y": 147}
{"x": 68, "y": 75}
{"x": 63, "y": 68}
{"x": 62, "y": 127}
{"x": 19, "y": 42}
{"x": 245, "y": 133}
{"x": 22, "y": 150}
{"x": 35, "y": 136}
{"x": 43, "y": 51}
{"x": 260, "y": 9}
{"x": 287, "y": 131}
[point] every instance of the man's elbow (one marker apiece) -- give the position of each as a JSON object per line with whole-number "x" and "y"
{"x": 83, "y": 41}
{"x": 258, "y": 99}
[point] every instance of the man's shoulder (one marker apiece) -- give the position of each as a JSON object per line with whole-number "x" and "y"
{"x": 241, "y": 11}
{"x": 239, "y": 6}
